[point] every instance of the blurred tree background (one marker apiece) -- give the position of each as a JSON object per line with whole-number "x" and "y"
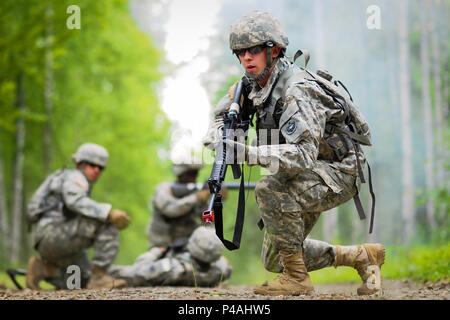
{"x": 62, "y": 87}
{"x": 101, "y": 83}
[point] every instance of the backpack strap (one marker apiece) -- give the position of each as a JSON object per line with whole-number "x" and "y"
{"x": 303, "y": 52}
{"x": 355, "y": 140}
{"x": 359, "y": 206}
{"x": 354, "y": 136}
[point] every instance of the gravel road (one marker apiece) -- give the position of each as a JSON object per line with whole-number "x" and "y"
{"x": 393, "y": 290}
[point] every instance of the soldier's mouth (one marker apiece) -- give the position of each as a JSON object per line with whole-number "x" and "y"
{"x": 251, "y": 69}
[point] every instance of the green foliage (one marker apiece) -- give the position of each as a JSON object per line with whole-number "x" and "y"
{"x": 103, "y": 80}
{"x": 420, "y": 263}
{"x": 118, "y": 110}
{"x": 6, "y": 280}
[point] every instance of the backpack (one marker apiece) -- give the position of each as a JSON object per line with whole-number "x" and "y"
{"x": 38, "y": 205}
{"x": 354, "y": 133}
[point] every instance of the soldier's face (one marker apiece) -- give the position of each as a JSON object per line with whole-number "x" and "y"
{"x": 187, "y": 177}
{"x": 254, "y": 63}
{"x": 92, "y": 172}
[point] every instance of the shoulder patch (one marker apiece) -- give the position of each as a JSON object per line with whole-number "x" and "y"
{"x": 232, "y": 89}
{"x": 82, "y": 183}
{"x": 291, "y": 126}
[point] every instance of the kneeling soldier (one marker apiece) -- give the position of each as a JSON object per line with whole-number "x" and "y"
{"x": 68, "y": 222}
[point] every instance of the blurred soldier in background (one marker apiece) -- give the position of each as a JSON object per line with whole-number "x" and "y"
{"x": 197, "y": 262}
{"x": 68, "y": 222}
{"x": 174, "y": 216}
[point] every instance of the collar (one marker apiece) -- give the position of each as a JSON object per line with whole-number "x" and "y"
{"x": 259, "y": 95}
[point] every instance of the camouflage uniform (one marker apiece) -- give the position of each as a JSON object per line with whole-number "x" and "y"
{"x": 199, "y": 263}
{"x": 70, "y": 222}
{"x": 292, "y": 199}
{"x": 173, "y": 217}
{"x": 307, "y": 179}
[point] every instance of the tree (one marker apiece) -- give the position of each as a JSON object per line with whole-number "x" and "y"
{"x": 17, "y": 207}
{"x": 48, "y": 86}
{"x": 438, "y": 95}
{"x": 330, "y": 217}
{"x": 408, "y": 211}
{"x": 4, "y": 218}
{"x": 426, "y": 105}
{"x": 88, "y": 86}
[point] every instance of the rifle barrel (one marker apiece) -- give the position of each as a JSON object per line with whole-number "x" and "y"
{"x": 237, "y": 185}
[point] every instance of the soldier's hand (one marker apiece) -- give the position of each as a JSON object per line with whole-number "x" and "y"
{"x": 203, "y": 195}
{"x": 236, "y": 151}
{"x": 224, "y": 193}
{"x": 119, "y": 218}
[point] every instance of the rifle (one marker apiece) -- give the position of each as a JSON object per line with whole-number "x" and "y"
{"x": 219, "y": 170}
{"x": 180, "y": 190}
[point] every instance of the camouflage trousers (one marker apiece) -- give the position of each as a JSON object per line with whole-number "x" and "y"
{"x": 290, "y": 207}
{"x": 65, "y": 243}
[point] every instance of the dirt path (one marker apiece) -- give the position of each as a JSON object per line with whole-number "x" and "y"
{"x": 393, "y": 290}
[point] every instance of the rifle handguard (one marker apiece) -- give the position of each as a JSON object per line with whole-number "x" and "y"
{"x": 234, "y": 109}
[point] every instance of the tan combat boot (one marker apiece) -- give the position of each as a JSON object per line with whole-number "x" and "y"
{"x": 38, "y": 270}
{"x": 367, "y": 259}
{"x": 101, "y": 280}
{"x": 293, "y": 281}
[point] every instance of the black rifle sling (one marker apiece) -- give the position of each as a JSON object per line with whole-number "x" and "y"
{"x": 239, "y": 223}
{"x": 12, "y": 273}
{"x": 372, "y": 193}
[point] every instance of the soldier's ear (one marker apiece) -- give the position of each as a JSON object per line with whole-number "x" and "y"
{"x": 275, "y": 51}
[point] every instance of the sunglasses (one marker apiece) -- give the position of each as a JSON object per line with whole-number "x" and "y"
{"x": 101, "y": 168}
{"x": 253, "y": 50}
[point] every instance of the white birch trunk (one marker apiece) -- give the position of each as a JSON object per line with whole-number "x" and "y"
{"x": 330, "y": 218}
{"x": 17, "y": 206}
{"x": 4, "y": 219}
{"x": 439, "y": 117}
{"x": 394, "y": 100}
{"x": 408, "y": 210}
{"x": 440, "y": 17}
{"x": 427, "y": 112}
{"x": 48, "y": 88}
